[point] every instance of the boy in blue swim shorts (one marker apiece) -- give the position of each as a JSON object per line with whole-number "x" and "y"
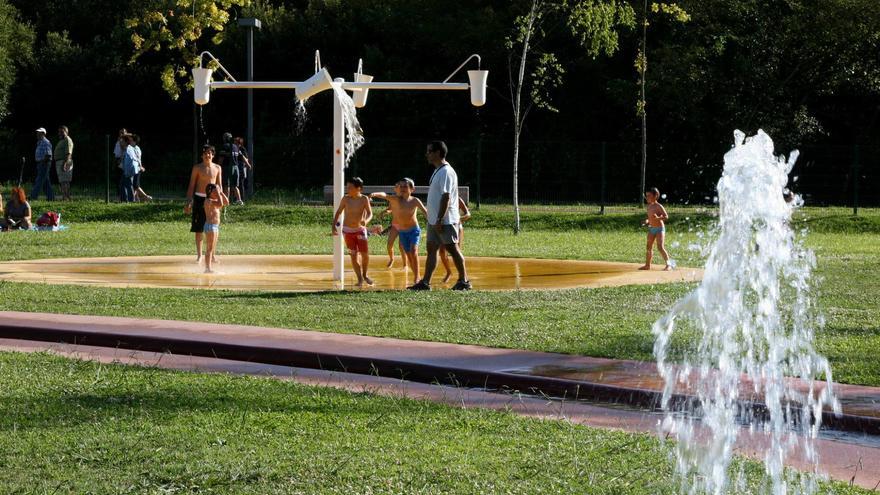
{"x": 404, "y": 208}
{"x": 215, "y": 200}
{"x": 656, "y": 228}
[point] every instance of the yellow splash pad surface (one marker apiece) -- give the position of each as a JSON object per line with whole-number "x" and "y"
{"x": 313, "y": 273}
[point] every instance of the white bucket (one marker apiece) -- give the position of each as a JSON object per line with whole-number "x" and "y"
{"x": 319, "y": 82}
{"x": 202, "y": 85}
{"x": 360, "y": 97}
{"x": 478, "y": 86}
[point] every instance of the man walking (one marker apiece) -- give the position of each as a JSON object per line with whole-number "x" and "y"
{"x": 443, "y": 217}
{"x": 43, "y": 157}
{"x": 64, "y": 161}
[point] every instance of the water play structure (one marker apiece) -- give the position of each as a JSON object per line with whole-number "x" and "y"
{"x": 344, "y": 108}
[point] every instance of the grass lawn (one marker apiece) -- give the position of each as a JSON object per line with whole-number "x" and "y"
{"x": 70, "y": 426}
{"x": 612, "y": 322}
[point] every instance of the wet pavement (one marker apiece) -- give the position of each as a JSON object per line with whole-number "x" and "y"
{"x": 313, "y": 273}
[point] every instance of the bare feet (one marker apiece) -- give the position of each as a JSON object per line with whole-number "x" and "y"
{"x": 447, "y": 277}
{"x": 208, "y": 270}
{"x": 390, "y": 263}
{"x": 198, "y": 259}
{"x": 645, "y": 267}
{"x": 360, "y": 283}
{"x": 368, "y": 280}
{"x": 214, "y": 259}
{"x": 668, "y": 268}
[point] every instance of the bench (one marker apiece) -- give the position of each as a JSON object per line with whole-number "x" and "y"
{"x": 463, "y": 192}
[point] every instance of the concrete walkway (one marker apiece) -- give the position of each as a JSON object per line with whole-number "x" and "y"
{"x": 247, "y": 349}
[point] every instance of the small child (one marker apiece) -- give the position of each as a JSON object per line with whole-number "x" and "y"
{"x": 215, "y": 200}
{"x": 444, "y": 258}
{"x": 404, "y": 208}
{"x": 357, "y": 214}
{"x": 656, "y": 228}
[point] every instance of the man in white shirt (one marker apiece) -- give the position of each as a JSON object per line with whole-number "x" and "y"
{"x": 443, "y": 217}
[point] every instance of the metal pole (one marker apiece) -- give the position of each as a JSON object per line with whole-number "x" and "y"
{"x": 107, "y": 151}
{"x": 338, "y": 184}
{"x": 855, "y": 172}
{"x": 250, "y": 109}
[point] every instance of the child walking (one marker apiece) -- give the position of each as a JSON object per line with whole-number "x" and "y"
{"x": 215, "y": 200}
{"x": 657, "y": 217}
{"x": 404, "y": 208}
{"x": 357, "y": 213}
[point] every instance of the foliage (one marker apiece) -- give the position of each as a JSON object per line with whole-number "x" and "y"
{"x": 16, "y": 40}
{"x": 177, "y": 27}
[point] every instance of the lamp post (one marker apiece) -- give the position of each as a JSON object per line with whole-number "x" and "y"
{"x": 250, "y": 23}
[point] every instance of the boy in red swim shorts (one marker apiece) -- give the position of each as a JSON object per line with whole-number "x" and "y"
{"x": 356, "y": 214}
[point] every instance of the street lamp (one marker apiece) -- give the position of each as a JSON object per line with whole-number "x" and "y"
{"x": 250, "y": 23}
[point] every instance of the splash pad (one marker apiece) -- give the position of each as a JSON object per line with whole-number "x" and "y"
{"x": 308, "y": 273}
{"x": 347, "y": 135}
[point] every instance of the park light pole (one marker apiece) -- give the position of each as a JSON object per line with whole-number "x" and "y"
{"x": 250, "y": 23}
{"x": 321, "y": 81}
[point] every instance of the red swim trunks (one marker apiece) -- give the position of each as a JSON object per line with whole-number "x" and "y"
{"x": 356, "y": 239}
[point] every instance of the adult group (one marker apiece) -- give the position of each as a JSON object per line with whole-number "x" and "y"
{"x": 45, "y": 156}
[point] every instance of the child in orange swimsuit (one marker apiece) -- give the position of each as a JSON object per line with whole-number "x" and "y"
{"x": 357, "y": 213}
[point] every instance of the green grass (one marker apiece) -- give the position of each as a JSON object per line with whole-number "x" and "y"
{"x": 70, "y": 426}
{"x": 613, "y": 322}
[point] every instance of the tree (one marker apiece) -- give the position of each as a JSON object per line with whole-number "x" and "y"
{"x": 177, "y": 26}
{"x": 16, "y": 44}
{"x": 679, "y": 15}
{"x": 594, "y": 23}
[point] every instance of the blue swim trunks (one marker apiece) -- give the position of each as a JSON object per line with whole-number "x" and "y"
{"x": 212, "y": 227}
{"x": 409, "y": 239}
{"x": 656, "y": 230}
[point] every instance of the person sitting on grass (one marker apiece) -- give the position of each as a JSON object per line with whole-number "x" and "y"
{"x": 656, "y": 228}
{"x": 355, "y": 207}
{"x": 404, "y": 208}
{"x": 215, "y": 200}
{"x": 18, "y": 212}
{"x": 444, "y": 258}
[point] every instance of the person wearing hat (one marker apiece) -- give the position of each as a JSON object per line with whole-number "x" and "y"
{"x": 64, "y": 161}
{"x": 43, "y": 157}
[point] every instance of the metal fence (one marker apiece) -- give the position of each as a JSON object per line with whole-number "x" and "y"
{"x": 294, "y": 168}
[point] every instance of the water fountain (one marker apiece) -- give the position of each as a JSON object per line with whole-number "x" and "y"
{"x": 344, "y": 111}
{"x": 752, "y": 321}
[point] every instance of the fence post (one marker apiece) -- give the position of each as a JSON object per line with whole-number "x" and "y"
{"x": 107, "y": 152}
{"x": 855, "y": 174}
{"x": 602, "y": 187}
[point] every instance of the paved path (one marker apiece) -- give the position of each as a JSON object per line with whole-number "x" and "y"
{"x": 278, "y": 350}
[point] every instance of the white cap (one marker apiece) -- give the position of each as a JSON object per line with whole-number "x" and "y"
{"x": 40, "y": 129}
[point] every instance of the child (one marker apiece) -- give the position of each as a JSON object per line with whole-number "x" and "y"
{"x": 204, "y": 173}
{"x": 465, "y": 215}
{"x": 656, "y": 228}
{"x": 357, "y": 214}
{"x": 215, "y": 200}
{"x": 392, "y": 231}
{"x": 403, "y": 209}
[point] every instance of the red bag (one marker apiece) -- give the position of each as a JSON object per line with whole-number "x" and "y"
{"x": 48, "y": 219}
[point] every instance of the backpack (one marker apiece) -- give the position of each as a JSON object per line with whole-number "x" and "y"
{"x": 48, "y": 219}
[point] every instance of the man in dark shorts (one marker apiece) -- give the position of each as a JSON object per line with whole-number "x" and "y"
{"x": 443, "y": 218}
{"x": 203, "y": 173}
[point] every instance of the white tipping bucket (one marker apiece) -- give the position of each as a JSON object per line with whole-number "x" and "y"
{"x": 202, "y": 85}
{"x": 478, "y": 86}
{"x": 319, "y": 82}
{"x": 360, "y": 97}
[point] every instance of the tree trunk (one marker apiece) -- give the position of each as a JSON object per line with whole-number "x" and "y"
{"x": 643, "y": 102}
{"x": 518, "y": 115}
